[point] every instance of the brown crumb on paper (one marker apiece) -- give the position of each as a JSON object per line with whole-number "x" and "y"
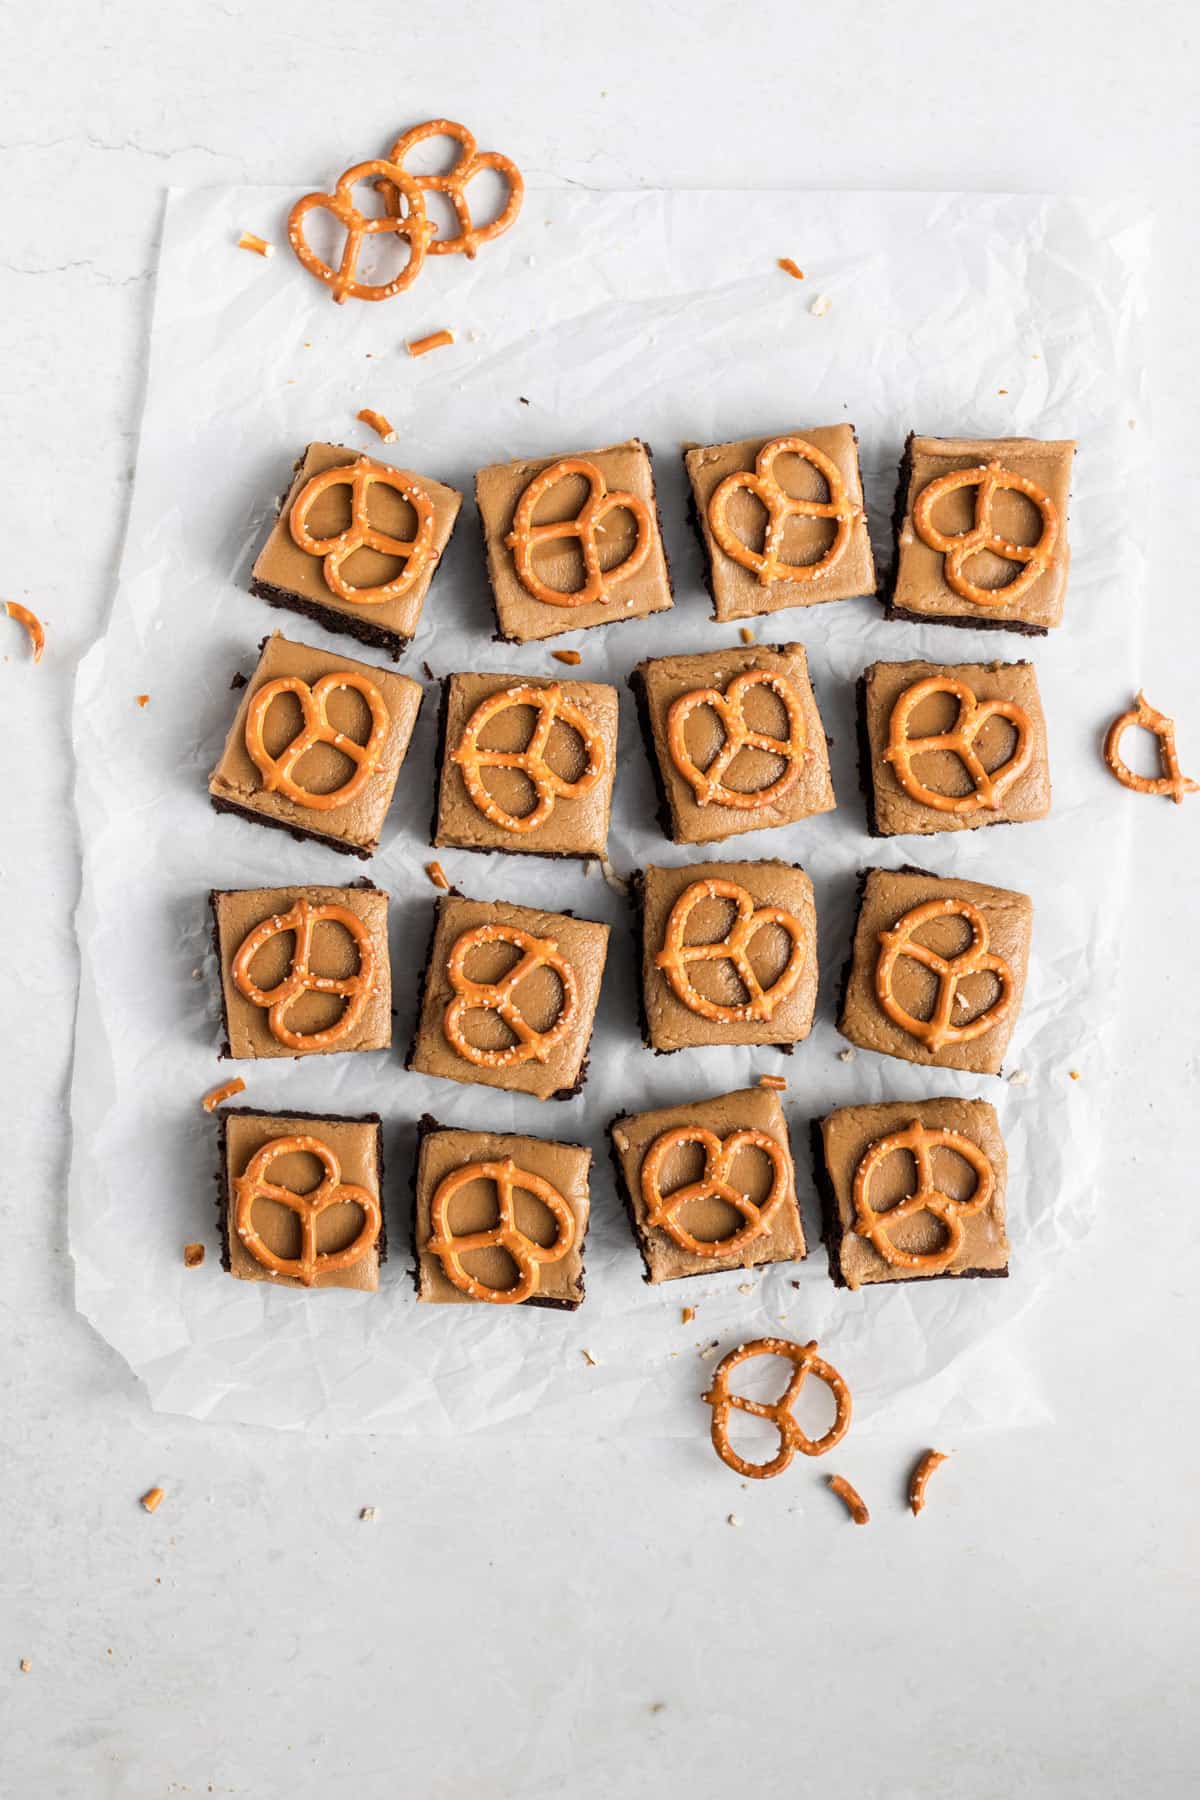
{"x": 152, "y": 1499}
{"x": 1074, "y": 1074}
{"x": 438, "y": 876}
{"x": 687, "y": 1315}
{"x": 589, "y": 1359}
{"x": 226, "y": 1091}
{"x": 1019, "y": 1078}
{"x": 732, "y": 1519}
{"x": 32, "y": 624}
{"x": 250, "y": 241}
{"x": 434, "y": 341}
{"x": 25, "y": 1665}
{"x": 791, "y": 268}
{"x": 383, "y": 427}
{"x": 142, "y": 699}
{"x": 856, "y": 1506}
{"x": 777, "y": 1082}
{"x": 193, "y": 1255}
{"x": 746, "y": 635}
{"x": 820, "y": 306}
{"x": 931, "y": 1460}
{"x": 369, "y": 1514}
{"x": 846, "y": 1055}
{"x": 571, "y": 657}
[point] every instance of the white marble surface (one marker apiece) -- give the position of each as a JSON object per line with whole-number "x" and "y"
{"x": 555, "y": 1619}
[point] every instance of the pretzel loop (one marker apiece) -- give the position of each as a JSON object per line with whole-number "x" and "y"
{"x": 990, "y": 785}
{"x": 601, "y": 500}
{"x": 900, "y": 941}
{"x": 417, "y": 553}
{"x": 278, "y": 771}
{"x": 762, "y": 482}
{"x": 709, "y": 784}
{"x": 662, "y": 1210}
{"x": 676, "y": 954}
{"x": 311, "y": 1263}
{"x": 500, "y": 997}
{"x": 356, "y": 989}
{"x": 549, "y": 703}
{"x": 414, "y": 227}
{"x": 959, "y": 547}
{"x": 453, "y": 184}
{"x": 927, "y": 1197}
{"x": 526, "y": 1254}
{"x": 1172, "y": 784}
{"x": 805, "y": 1362}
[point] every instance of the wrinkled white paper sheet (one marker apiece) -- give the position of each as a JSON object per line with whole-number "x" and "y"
{"x": 600, "y": 316}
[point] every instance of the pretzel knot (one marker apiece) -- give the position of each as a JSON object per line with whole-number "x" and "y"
{"x": 937, "y": 1030}
{"x": 526, "y": 1254}
{"x": 333, "y": 1191}
{"x": 414, "y": 227}
{"x": 990, "y": 785}
{"x": 454, "y": 184}
{"x": 958, "y": 547}
{"x": 714, "y": 1184}
{"x": 500, "y": 997}
{"x": 525, "y": 535}
{"x": 806, "y": 1362}
{"x": 302, "y": 919}
{"x": 926, "y": 1198}
{"x": 763, "y": 483}
{"x": 278, "y": 771}
{"x": 734, "y": 947}
{"x": 730, "y": 708}
{"x": 360, "y": 476}
{"x": 1172, "y": 784}
{"x": 549, "y": 704}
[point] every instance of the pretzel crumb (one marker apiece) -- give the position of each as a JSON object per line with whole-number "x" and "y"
{"x": 193, "y": 1255}
{"x": 732, "y": 1519}
{"x": 591, "y": 1361}
{"x": 32, "y": 624}
{"x": 369, "y": 1514}
{"x": 438, "y": 876}
{"x": 152, "y": 1499}
{"x": 776, "y": 1082}
{"x": 226, "y": 1091}
{"x": 746, "y": 635}
{"x": 378, "y": 423}
{"x": 434, "y": 341}
{"x": 856, "y": 1506}
{"x": 142, "y": 699}
{"x": 710, "y": 1350}
{"x": 567, "y": 656}
{"x": 24, "y": 1665}
{"x": 1019, "y": 1078}
{"x": 687, "y": 1315}
{"x": 745, "y": 1287}
{"x": 846, "y": 1055}
{"x": 920, "y": 1475}
{"x": 820, "y": 306}
{"x": 791, "y": 268}
{"x": 1002, "y": 390}
{"x": 1074, "y": 1074}
{"x": 260, "y": 246}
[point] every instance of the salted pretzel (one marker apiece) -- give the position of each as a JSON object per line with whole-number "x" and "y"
{"x": 302, "y": 919}
{"x": 990, "y": 785}
{"x": 414, "y": 227}
{"x": 278, "y": 771}
{"x": 1171, "y": 784}
{"x": 927, "y": 1197}
{"x": 730, "y": 707}
{"x": 525, "y": 535}
{"x": 311, "y": 1263}
{"x": 676, "y": 954}
{"x": 662, "y": 1209}
{"x": 780, "y": 1412}
{"x": 500, "y": 997}
{"x": 762, "y": 482}
{"x": 986, "y": 478}
{"x": 939, "y": 1030}
{"x": 417, "y": 552}
{"x": 528, "y": 1256}
{"x": 454, "y": 184}
{"x": 549, "y": 703}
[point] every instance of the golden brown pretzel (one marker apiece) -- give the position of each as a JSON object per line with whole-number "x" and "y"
{"x": 311, "y": 1263}
{"x": 414, "y": 227}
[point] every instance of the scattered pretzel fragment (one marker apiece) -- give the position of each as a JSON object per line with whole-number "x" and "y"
{"x": 687, "y": 1314}
{"x": 777, "y": 1082}
{"x": 32, "y": 624}
{"x": 438, "y": 876}
{"x": 378, "y": 423}
{"x": 193, "y": 1255}
{"x": 436, "y": 340}
{"x": 226, "y": 1091}
{"x": 153, "y": 1498}
{"x": 791, "y": 268}
{"x": 856, "y": 1506}
{"x": 142, "y": 699}
{"x": 25, "y": 1665}
{"x": 1171, "y": 784}
{"x": 368, "y": 1514}
{"x": 570, "y": 657}
{"x": 746, "y": 635}
{"x": 920, "y": 1475}
{"x": 250, "y": 241}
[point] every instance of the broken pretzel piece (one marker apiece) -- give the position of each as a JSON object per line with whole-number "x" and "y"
{"x": 32, "y": 624}
{"x": 856, "y": 1506}
{"x": 920, "y": 1475}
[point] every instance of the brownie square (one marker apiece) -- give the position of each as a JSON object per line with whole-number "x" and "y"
{"x": 738, "y": 590}
{"x": 474, "y": 1206}
{"x": 349, "y": 948}
{"x": 354, "y": 1148}
{"x": 287, "y": 575}
{"x": 879, "y": 1252}
{"x": 764, "y": 913}
{"x": 902, "y": 790}
{"x": 476, "y": 1025}
{"x": 483, "y": 715}
{"x": 981, "y": 1017}
{"x": 759, "y": 788}
{"x": 524, "y": 615}
{"x": 706, "y": 1217}
{"x": 238, "y": 784}
{"x": 922, "y": 581}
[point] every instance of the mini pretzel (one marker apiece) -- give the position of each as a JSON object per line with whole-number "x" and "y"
{"x": 1171, "y": 784}
{"x": 356, "y": 989}
{"x": 549, "y": 704}
{"x": 500, "y": 997}
{"x": 277, "y": 771}
{"x": 762, "y": 482}
{"x": 333, "y": 1191}
{"x": 938, "y": 1030}
{"x": 791, "y": 1438}
{"x": 719, "y": 1154}
{"x": 415, "y": 228}
{"x": 991, "y": 785}
{"x": 418, "y": 553}
{"x": 676, "y": 953}
{"x": 921, "y": 1142}
{"x": 505, "y": 1234}
{"x": 986, "y": 478}
{"x": 454, "y": 183}
{"x": 708, "y": 784}
{"x": 525, "y": 535}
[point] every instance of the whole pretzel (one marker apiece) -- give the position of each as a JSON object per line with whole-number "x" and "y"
{"x": 360, "y": 476}
{"x": 525, "y": 535}
{"x": 990, "y": 785}
{"x": 333, "y": 1191}
{"x": 708, "y": 784}
{"x": 938, "y": 1030}
{"x": 719, "y": 1154}
{"x": 806, "y": 1362}
{"x": 414, "y": 227}
{"x": 454, "y": 183}
{"x": 762, "y": 482}
{"x": 500, "y": 997}
{"x": 549, "y": 703}
{"x": 926, "y": 1198}
{"x": 528, "y": 1255}
{"x": 302, "y": 918}
{"x": 277, "y": 771}
{"x": 958, "y": 547}
{"x": 1171, "y": 784}
{"x": 676, "y": 953}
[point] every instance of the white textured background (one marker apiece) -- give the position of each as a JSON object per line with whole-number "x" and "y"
{"x": 549, "y": 1620}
